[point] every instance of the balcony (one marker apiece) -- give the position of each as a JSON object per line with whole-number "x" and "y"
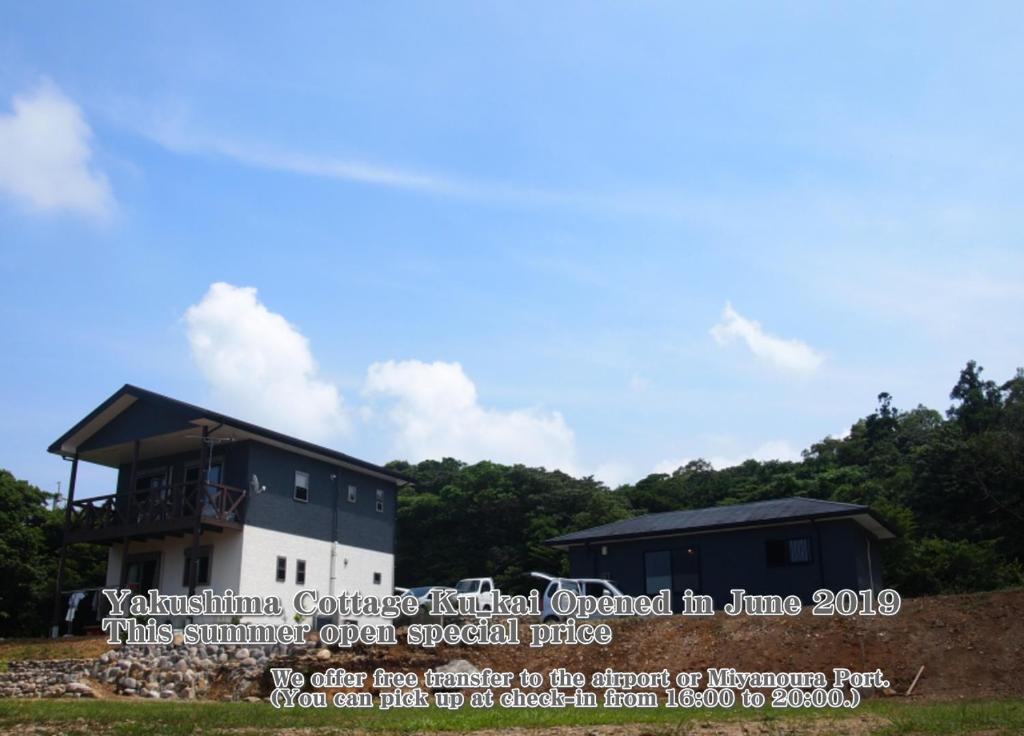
{"x": 156, "y": 512}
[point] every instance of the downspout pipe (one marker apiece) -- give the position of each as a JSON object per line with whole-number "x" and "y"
{"x": 336, "y": 477}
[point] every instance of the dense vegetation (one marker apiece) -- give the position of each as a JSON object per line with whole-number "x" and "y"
{"x": 953, "y": 486}
{"x": 30, "y": 532}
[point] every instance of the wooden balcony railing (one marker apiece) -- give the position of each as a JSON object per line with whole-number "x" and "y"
{"x": 165, "y": 509}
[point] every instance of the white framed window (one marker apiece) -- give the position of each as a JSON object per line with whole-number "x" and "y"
{"x": 351, "y": 494}
{"x": 301, "y": 486}
{"x": 300, "y": 572}
{"x": 380, "y": 501}
{"x": 282, "y": 569}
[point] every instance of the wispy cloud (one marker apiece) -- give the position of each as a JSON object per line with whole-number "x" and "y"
{"x": 788, "y": 354}
{"x": 175, "y": 133}
{"x": 46, "y": 156}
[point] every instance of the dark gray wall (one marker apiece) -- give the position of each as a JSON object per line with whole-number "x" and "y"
{"x": 737, "y": 559}
{"x": 359, "y": 523}
{"x": 142, "y": 419}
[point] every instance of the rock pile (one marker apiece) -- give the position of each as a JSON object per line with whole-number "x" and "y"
{"x": 171, "y": 672}
{"x": 186, "y": 672}
{"x": 46, "y": 678}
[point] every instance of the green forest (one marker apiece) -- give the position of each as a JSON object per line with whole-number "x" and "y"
{"x": 951, "y": 484}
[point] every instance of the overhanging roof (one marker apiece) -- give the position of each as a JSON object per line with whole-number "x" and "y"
{"x": 721, "y": 518}
{"x": 168, "y": 442}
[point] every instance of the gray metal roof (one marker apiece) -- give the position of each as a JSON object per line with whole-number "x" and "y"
{"x": 719, "y": 517}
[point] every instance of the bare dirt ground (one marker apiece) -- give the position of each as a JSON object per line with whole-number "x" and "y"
{"x": 971, "y": 646}
{"x": 72, "y": 647}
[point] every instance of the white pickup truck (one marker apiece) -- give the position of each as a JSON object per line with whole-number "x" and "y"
{"x": 581, "y": 586}
{"x": 478, "y": 588}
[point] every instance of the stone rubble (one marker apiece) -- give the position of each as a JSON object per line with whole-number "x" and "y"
{"x": 167, "y": 672}
{"x": 47, "y": 678}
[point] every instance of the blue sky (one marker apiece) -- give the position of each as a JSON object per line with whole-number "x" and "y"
{"x": 604, "y": 237}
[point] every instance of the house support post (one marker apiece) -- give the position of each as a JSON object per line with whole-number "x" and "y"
{"x": 197, "y": 528}
{"x": 133, "y": 478}
{"x": 122, "y": 579}
{"x": 55, "y": 622}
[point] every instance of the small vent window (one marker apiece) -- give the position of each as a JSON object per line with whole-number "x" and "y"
{"x": 301, "y": 486}
{"x": 300, "y": 572}
{"x": 282, "y": 569}
{"x": 351, "y": 494}
{"x": 380, "y": 501}
{"x": 783, "y": 552}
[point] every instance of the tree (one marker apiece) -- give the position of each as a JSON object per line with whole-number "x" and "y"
{"x": 30, "y": 535}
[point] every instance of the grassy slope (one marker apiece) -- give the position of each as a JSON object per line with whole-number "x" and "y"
{"x": 76, "y": 647}
{"x": 147, "y": 717}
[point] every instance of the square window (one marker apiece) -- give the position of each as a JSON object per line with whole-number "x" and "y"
{"x": 301, "y": 486}
{"x": 300, "y": 572}
{"x": 351, "y": 494}
{"x": 376, "y": 578}
{"x": 799, "y": 550}
{"x": 775, "y": 552}
{"x": 282, "y": 569}
{"x": 783, "y": 552}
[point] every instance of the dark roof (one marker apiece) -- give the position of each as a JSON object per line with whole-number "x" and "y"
{"x": 723, "y": 517}
{"x": 128, "y": 390}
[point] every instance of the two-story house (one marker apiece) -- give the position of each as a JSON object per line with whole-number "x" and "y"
{"x": 207, "y": 500}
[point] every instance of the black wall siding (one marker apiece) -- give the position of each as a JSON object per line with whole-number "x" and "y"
{"x": 359, "y": 523}
{"x": 736, "y": 559}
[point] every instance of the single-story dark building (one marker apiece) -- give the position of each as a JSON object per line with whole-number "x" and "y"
{"x": 785, "y": 546}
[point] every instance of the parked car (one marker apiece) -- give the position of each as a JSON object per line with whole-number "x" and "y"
{"x": 581, "y": 586}
{"x": 422, "y": 595}
{"x": 422, "y": 592}
{"x": 478, "y": 588}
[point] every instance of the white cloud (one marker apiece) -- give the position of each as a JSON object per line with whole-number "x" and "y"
{"x": 45, "y": 154}
{"x": 613, "y": 474}
{"x": 436, "y": 413}
{"x": 771, "y": 450}
{"x": 260, "y": 365}
{"x": 787, "y": 354}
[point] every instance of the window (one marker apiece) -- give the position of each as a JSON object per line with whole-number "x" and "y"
{"x": 376, "y": 578}
{"x": 301, "y": 486}
{"x": 380, "y": 501}
{"x": 799, "y": 550}
{"x": 203, "y": 573}
{"x": 351, "y": 494}
{"x": 282, "y": 569}
{"x": 300, "y": 572}
{"x": 782, "y": 552}
{"x": 658, "y": 571}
